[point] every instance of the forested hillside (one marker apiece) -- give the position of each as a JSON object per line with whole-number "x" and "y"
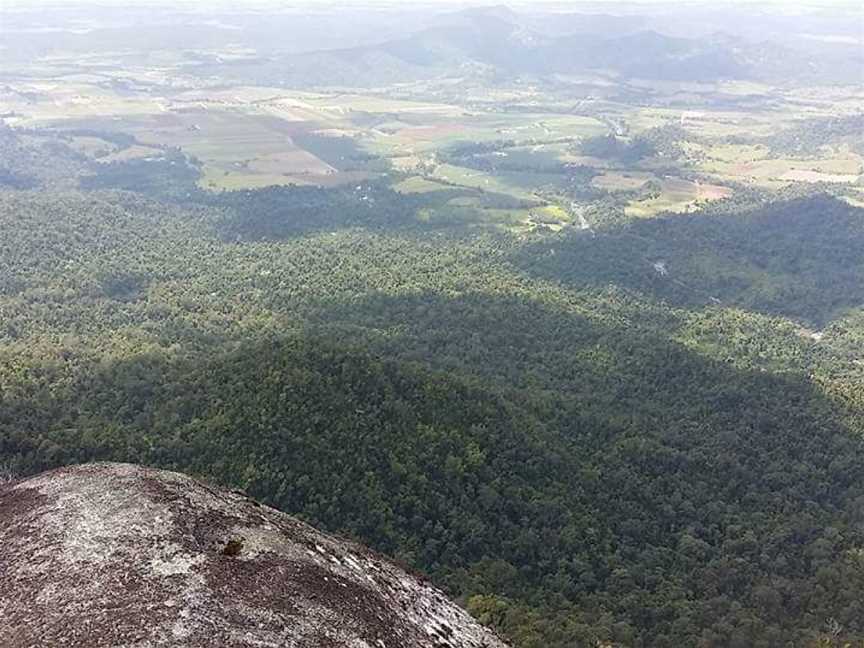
{"x": 528, "y": 421}
{"x": 562, "y": 310}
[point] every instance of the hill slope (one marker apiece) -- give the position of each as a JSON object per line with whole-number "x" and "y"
{"x": 510, "y": 45}
{"x": 605, "y": 467}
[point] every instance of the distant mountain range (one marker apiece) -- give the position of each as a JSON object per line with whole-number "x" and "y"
{"x": 500, "y": 41}
{"x": 367, "y": 47}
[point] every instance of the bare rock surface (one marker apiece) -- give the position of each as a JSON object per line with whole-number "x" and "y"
{"x": 119, "y": 555}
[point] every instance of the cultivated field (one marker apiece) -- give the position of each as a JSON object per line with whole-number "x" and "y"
{"x": 248, "y": 136}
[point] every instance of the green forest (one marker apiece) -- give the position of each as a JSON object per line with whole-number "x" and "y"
{"x": 583, "y": 447}
{"x": 558, "y": 306}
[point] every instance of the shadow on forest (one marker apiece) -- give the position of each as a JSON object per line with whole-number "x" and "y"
{"x": 504, "y": 447}
{"x": 802, "y": 259}
{"x": 276, "y": 213}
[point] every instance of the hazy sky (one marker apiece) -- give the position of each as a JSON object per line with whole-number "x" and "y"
{"x": 788, "y": 7}
{"x": 221, "y": 4}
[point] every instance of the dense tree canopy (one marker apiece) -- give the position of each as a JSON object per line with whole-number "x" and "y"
{"x": 582, "y": 449}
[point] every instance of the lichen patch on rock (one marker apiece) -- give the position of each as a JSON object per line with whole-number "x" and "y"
{"x": 116, "y": 555}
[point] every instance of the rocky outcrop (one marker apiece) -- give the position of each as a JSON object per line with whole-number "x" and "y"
{"x": 119, "y": 555}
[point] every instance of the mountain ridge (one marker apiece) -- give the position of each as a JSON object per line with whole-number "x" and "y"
{"x": 507, "y": 44}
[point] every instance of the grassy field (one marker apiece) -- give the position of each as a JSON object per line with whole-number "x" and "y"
{"x": 462, "y": 196}
{"x": 522, "y": 185}
{"x": 253, "y": 136}
{"x": 419, "y": 185}
{"x": 773, "y": 172}
{"x": 621, "y": 181}
{"x": 677, "y": 195}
